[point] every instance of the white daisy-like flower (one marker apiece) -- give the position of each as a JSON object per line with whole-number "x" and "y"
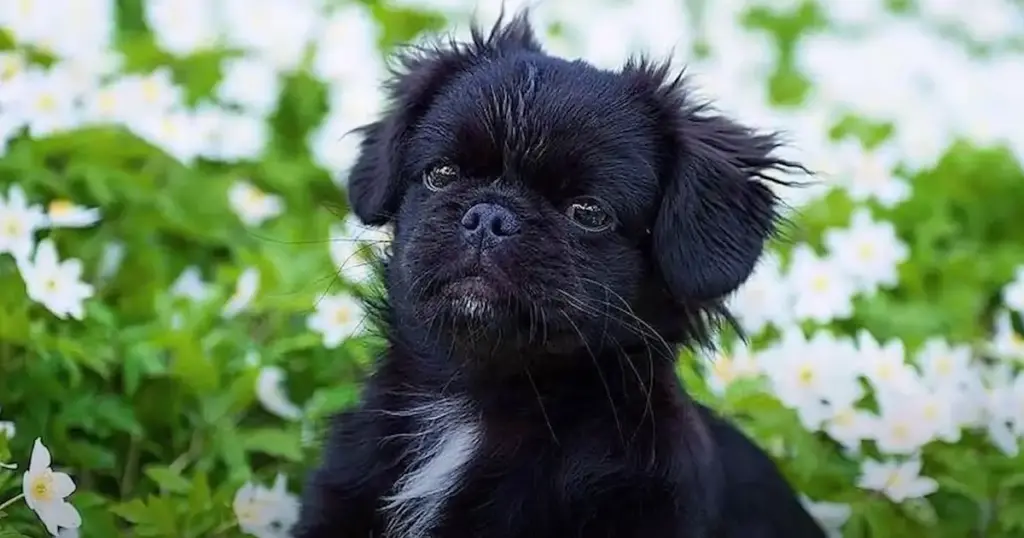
{"x": 266, "y": 512}
{"x": 337, "y": 318}
{"x": 252, "y": 205}
{"x": 7, "y": 428}
{"x": 65, "y": 214}
{"x": 55, "y": 284}
{"x": 45, "y": 492}
{"x": 271, "y": 395}
{"x": 898, "y": 481}
{"x": 190, "y": 284}
{"x": 245, "y": 291}
{"x": 19, "y": 221}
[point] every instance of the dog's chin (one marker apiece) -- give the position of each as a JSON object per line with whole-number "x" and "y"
{"x": 473, "y": 299}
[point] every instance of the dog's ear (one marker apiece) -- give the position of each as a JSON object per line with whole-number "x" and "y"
{"x": 375, "y": 183}
{"x": 716, "y": 211}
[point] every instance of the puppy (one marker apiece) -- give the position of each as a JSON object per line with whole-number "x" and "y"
{"x": 559, "y": 231}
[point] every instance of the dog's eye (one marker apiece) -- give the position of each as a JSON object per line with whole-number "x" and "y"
{"x": 440, "y": 177}
{"x": 589, "y": 214}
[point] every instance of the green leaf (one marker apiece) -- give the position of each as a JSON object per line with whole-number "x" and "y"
{"x": 275, "y": 442}
{"x": 167, "y": 479}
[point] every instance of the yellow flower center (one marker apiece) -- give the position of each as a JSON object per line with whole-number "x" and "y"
{"x": 51, "y": 284}
{"x": 724, "y": 368}
{"x": 169, "y": 126}
{"x": 12, "y": 227}
{"x": 9, "y": 68}
{"x": 342, "y": 316}
{"x": 150, "y": 90}
{"x": 866, "y": 251}
{"x": 820, "y": 283}
{"x": 931, "y": 411}
{"x": 107, "y": 102}
{"x": 46, "y": 102}
{"x": 893, "y": 479}
{"x": 805, "y": 376}
{"x": 944, "y": 366}
{"x": 25, "y": 7}
{"x": 900, "y": 432}
{"x": 40, "y": 487}
{"x": 843, "y": 418}
{"x": 61, "y": 208}
{"x": 254, "y": 197}
{"x": 885, "y": 372}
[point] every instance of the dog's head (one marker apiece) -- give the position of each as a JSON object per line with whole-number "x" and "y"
{"x": 540, "y": 204}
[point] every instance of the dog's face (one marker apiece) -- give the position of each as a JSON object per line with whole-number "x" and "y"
{"x": 542, "y": 205}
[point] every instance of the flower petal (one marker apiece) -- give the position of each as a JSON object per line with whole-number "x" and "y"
{"x": 63, "y": 485}
{"x": 66, "y": 515}
{"x": 40, "y": 458}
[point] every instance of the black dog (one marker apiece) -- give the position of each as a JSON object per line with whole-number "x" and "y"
{"x": 559, "y": 231}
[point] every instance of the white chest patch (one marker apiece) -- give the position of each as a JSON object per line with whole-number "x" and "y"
{"x": 448, "y": 437}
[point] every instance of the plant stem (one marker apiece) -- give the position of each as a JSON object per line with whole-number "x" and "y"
{"x": 19, "y": 497}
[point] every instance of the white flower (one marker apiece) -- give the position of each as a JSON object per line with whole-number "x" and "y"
{"x": 174, "y": 132}
{"x": 190, "y": 284}
{"x": 901, "y": 427}
{"x": 814, "y": 377}
{"x": 250, "y": 83}
{"x": 1005, "y": 409}
{"x": 1013, "y": 293}
{"x": 277, "y": 30}
{"x": 823, "y": 291}
{"x": 868, "y": 251}
{"x": 49, "y": 102}
{"x": 46, "y": 490}
{"x": 868, "y": 174}
{"x": 65, "y": 214}
{"x": 898, "y": 481}
{"x": 270, "y": 393}
{"x": 245, "y": 291}
{"x": 144, "y": 98}
{"x": 337, "y": 318}
{"x": 335, "y": 146}
{"x": 77, "y": 29}
{"x": 266, "y": 513}
{"x": 884, "y": 366}
{"x": 351, "y": 31}
{"x": 831, "y": 516}
{"x": 944, "y": 366}
{"x": 1007, "y": 343}
{"x": 848, "y": 425}
{"x": 18, "y": 223}
{"x": 55, "y": 284}
{"x": 1002, "y": 420}
{"x": 348, "y": 256}
{"x": 728, "y": 367}
{"x": 7, "y": 428}
{"x": 110, "y": 260}
{"x": 764, "y": 299}
{"x": 235, "y": 135}
{"x": 182, "y": 27}
{"x": 252, "y": 205}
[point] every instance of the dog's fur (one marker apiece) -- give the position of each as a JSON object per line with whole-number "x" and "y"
{"x": 528, "y": 389}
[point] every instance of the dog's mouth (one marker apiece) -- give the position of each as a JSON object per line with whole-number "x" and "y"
{"x": 472, "y": 296}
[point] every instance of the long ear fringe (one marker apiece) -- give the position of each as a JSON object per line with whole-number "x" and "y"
{"x": 695, "y": 131}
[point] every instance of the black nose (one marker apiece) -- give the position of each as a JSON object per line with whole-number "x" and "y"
{"x": 488, "y": 224}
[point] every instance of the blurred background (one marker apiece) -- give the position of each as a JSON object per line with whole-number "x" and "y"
{"x": 180, "y": 278}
